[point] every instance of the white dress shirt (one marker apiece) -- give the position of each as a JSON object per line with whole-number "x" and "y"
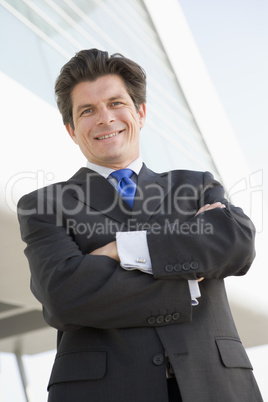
{"x": 132, "y": 246}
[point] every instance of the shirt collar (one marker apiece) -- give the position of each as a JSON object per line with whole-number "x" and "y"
{"x": 104, "y": 171}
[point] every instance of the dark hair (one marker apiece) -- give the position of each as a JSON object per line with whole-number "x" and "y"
{"x": 88, "y": 65}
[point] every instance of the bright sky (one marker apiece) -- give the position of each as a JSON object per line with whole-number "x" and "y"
{"x": 232, "y": 37}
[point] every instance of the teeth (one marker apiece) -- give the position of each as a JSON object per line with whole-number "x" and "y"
{"x": 108, "y": 136}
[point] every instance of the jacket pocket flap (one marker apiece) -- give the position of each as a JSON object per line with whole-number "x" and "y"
{"x": 232, "y": 353}
{"x": 77, "y": 366}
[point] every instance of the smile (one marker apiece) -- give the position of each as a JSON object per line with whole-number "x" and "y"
{"x": 108, "y": 135}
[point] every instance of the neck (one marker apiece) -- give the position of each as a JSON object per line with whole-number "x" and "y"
{"x": 117, "y": 165}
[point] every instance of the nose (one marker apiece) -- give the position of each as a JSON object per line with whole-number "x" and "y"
{"x": 105, "y": 116}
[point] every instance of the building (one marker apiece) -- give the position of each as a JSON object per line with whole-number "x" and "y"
{"x": 37, "y": 38}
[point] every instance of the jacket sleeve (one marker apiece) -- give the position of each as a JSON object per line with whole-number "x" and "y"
{"x": 80, "y": 290}
{"x": 214, "y": 244}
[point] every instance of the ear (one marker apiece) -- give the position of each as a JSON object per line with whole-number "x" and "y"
{"x": 142, "y": 114}
{"x": 71, "y": 132}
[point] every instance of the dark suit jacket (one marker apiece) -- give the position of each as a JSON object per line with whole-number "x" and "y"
{"x": 114, "y": 326}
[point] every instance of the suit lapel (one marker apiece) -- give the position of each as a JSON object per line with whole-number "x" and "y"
{"x": 99, "y": 195}
{"x": 152, "y": 189}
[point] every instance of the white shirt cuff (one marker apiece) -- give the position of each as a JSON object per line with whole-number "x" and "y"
{"x": 133, "y": 251}
{"x": 194, "y": 290}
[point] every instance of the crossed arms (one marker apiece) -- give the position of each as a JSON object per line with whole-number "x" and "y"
{"x": 90, "y": 289}
{"x": 110, "y": 249}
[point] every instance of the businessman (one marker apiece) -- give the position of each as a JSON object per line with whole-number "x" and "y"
{"x": 128, "y": 264}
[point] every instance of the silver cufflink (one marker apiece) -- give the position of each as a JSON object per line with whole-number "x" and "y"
{"x": 140, "y": 260}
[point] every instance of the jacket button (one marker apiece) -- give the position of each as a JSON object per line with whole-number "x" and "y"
{"x": 177, "y": 267}
{"x": 176, "y": 316}
{"x": 186, "y": 266}
{"x": 160, "y": 319}
{"x": 169, "y": 268}
{"x": 194, "y": 265}
{"x": 151, "y": 320}
{"x": 158, "y": 359}
{"x": 168, "y": 318}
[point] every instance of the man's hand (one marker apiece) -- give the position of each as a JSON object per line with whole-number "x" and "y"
{"x": 207, "y": 207}
{"x": 110, "y": 250}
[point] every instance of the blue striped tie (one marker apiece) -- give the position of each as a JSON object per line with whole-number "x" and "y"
{"x": 126, "y": 187}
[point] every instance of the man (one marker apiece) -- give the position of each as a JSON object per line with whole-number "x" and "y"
{"x": 134, "y": 286}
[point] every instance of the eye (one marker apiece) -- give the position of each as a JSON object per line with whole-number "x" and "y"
{"x": 87, "y": 111}
{"x": 117, "y": 103}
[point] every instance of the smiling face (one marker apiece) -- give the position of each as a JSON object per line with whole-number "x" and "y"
{"x": 106, "y": 122}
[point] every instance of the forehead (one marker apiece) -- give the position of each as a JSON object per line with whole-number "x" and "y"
{"x": 103, "y": 88}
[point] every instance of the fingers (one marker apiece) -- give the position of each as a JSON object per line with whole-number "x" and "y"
{"x": 109, "y": 250}
{"x": 200, "y": 279}
{"x": 208, "y": 207}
